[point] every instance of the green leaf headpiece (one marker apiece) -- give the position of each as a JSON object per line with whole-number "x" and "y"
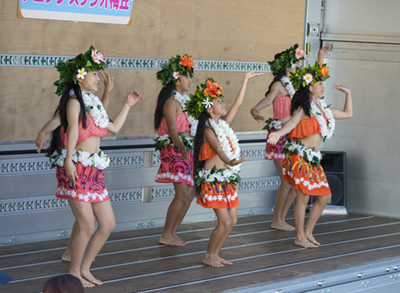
{"x": 309, "y": 75}
{"x": 92, "y": 60}
{"x": 202, "y": 98}
{"x": 174, "y": 68}
{"x": 287, "y": 59}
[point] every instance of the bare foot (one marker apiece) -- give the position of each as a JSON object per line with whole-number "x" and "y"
{"x": 66, "y": 256}
{"x": 171, "y": 241}
{"x": 210, "y": 260}
{"x": 305, "y": 243}
{"x": 224, "y": 261}
{"x": 88, "y": 276}
{"x": 85, "y": 283}
{"x": 311, "y": 238}
{"x": 282, "y": 226}
{"x": 180, "y": 240}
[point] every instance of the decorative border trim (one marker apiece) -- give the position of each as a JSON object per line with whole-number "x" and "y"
{"x": 31, "y": 166}
{"x": 29, "y": 60}
{"x": 48, "y": 203}
{"x": 166, "y": 192}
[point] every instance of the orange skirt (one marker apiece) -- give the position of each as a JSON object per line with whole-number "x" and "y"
{"x": 218, "y": 196}
{"x": 311, "y": 180}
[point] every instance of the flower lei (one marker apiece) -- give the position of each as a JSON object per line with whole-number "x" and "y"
{"x": 272, "y": 124}
{"x": 96, "y": 109}
{"x": 327, "y": 129}
{"x": 213, "y": 175}
{"x": 224, "y": 132}
{"x": 165, "y": 141}
{"x": 296, "y": 147}
{"x": 98, "y": 160}
{"x": 288, "y": 85}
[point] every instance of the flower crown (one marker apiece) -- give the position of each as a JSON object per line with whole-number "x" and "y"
{"x": 202, "y": 98}
{"x": 287, "y": 59}
{"x": 309, "y": 75}
{"x": 92, "y": 60}
{"x": 174, "y": 68}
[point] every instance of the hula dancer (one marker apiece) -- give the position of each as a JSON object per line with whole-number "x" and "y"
{"x": 74, "y": 151}
{"x": 175, "y": 131}
{"x": 216, "y": 161}
{"x": 280, "y": 93}
{"x": 312, "y": 122}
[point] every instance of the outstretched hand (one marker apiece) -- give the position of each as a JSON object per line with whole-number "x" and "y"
{"x": 273, "y": 138}
{"x": 132, "y": 98}
{"x": 256, "y": 115}
{"x": 40, "y": 142}
{"x": 107, "y": 80}
{"x": 235, "y": 162}
{"x": 341, "y": 88}
{"x": 252, "y": 74}
{"x": 324, "y": 50}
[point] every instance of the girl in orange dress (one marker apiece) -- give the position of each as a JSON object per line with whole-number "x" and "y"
{"x": 175, "y": 137}
{"x": 312, "y": 122}
{"x": 280, "y": 93}
{"x": 216, "y": 161}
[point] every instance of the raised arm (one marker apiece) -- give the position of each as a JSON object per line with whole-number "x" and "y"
{"x": 51, "y": 125}
{"x": 170, "y": 109}
{"x": 108, "y": 86}
{"x": 347, "y": 111}
{"x": 322, "y": 52}
{"x": 240, "y": 96}
{"x": 132, "y": 98}
{"x": 268, "y": 99}
{"x": 287, "y": 127}
{"x": 212, "y": 140}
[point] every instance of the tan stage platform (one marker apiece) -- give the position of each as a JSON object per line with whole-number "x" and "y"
{"x": 133, "y": 261}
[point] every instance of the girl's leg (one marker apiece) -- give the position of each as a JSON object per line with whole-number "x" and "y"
{"x": 218, "y": 237}
{"x": 176, "y": 212}
{"x": 283, "y": 200}
{"x": 233, "y": 220}
{"x": 106, "y": 223}
{"x": 316, "y": 211}
{"x": 85, "y": 220}
{"x": 299, "y": 215}
{"x": 67, "y": 253}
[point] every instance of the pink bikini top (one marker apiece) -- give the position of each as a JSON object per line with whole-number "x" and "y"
{"x": 281, "y": 107}
{"x": 182, "y": 124}
{"x": 84, "y": 133}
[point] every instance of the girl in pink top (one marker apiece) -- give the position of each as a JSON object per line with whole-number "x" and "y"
{"x": 175, "y": 135}
{"x": 279, "y": 94}
{"x": 75, "y": 152}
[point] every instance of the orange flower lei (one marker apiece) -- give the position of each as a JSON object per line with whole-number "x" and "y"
{"x": 324, "y": 70}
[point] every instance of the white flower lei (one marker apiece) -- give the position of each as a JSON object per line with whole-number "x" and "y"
{"x": 288, "y": 85}
{"x": 298, "y": 148}
{"x": 182, "y": 100}
{"x": 223, "y": 132}
{"x": 327, "y": 129}
{"x": 95, "y": 108}
{"x": 273, "y": 124}
{"x": 227, "y": 175}
{"x": 98, "y": 160}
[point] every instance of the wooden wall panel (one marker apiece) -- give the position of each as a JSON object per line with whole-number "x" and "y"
{"x": 230, "y": 30}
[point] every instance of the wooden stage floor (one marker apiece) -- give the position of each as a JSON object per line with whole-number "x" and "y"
{"x": 132, "y": 261}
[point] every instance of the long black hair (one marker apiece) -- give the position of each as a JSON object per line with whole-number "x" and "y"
{"x": 302, "y": 99}
{"x": 280, "y": 74}
{"x": 55, "y": 142}
{"x": 163, "y": 96}
{"x": 198, "y": 142}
